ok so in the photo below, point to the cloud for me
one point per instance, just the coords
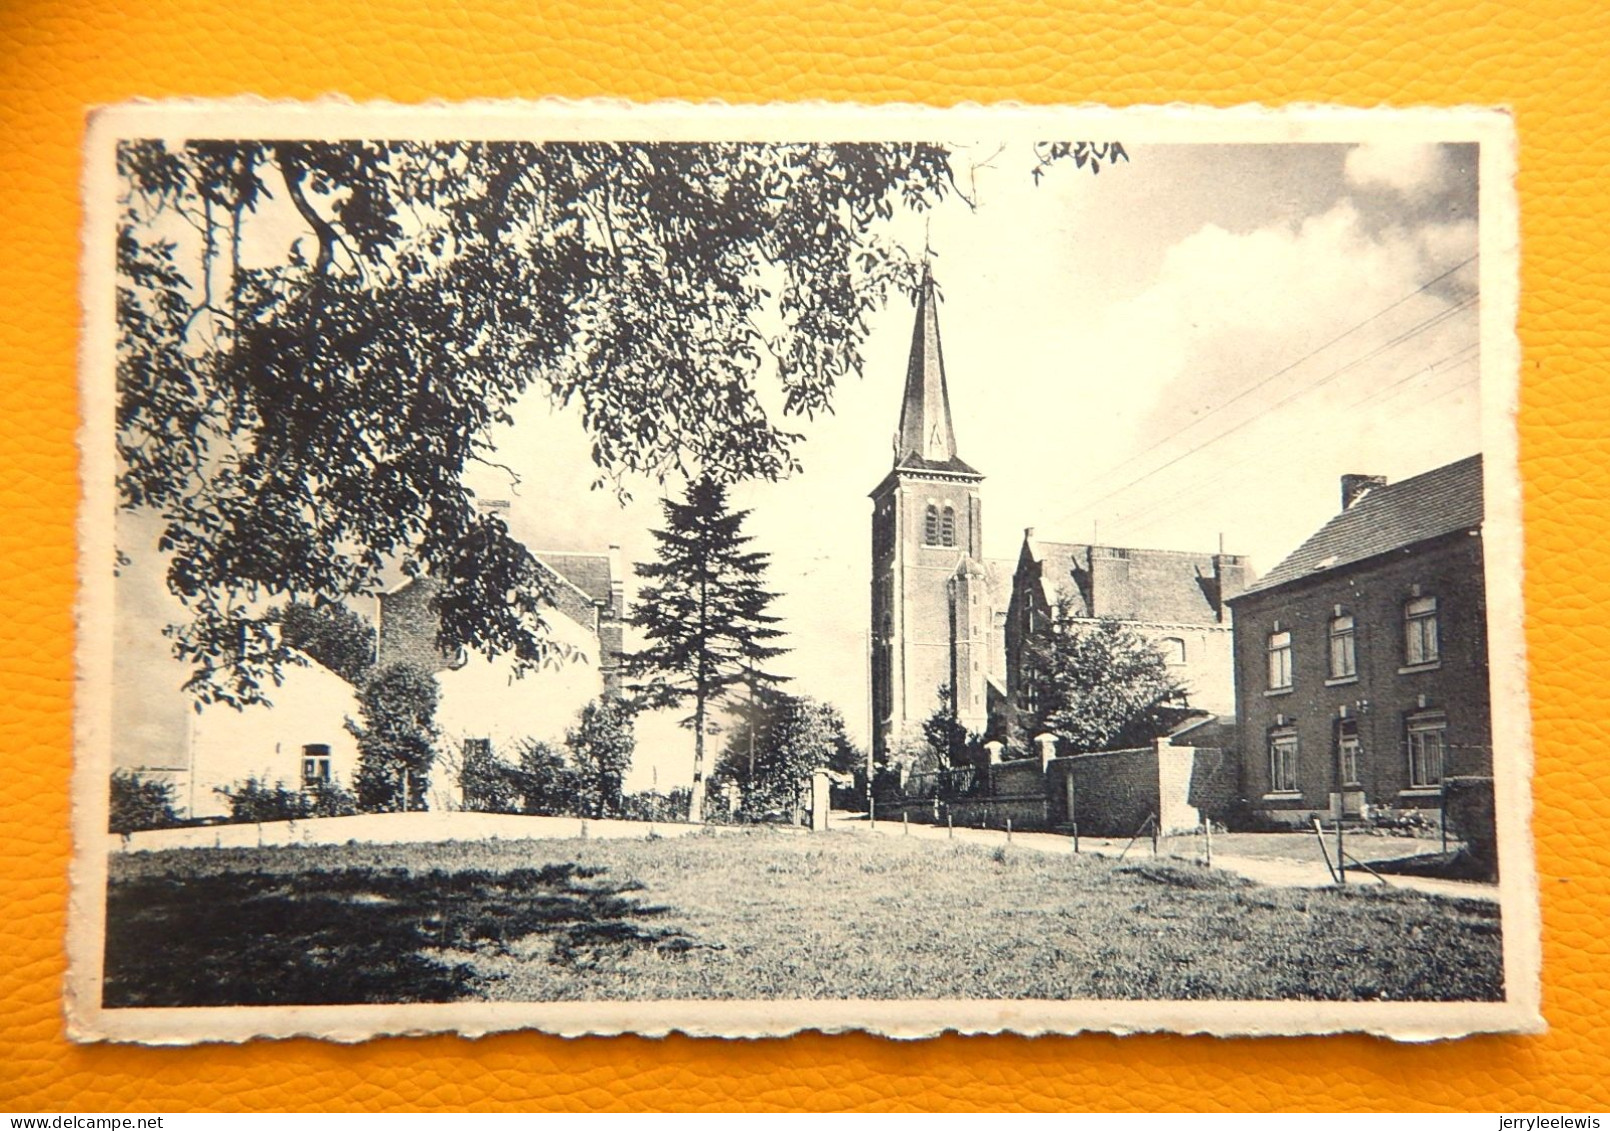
(1310, 348)
(1409, 169)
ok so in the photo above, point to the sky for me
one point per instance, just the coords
(1192, 346)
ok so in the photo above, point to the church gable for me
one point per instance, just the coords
(1147, 586)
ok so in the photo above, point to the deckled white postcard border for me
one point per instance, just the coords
(556, 120)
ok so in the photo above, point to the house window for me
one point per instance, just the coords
(1343, 657)
(1283, 760)
(1347, 752)
(315, 765)
(1426, 744)
(947, 526)
(1279, 660)
(1173, 649)
(1029, 693)
(930, 525)
(1421, 645)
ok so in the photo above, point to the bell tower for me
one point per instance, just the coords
(927, 543)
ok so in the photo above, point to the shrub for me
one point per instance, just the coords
(396, 738)
(549, 786)
(601, 746)
(140, 803)
(331, 800)
(255, 800)
(489, 784)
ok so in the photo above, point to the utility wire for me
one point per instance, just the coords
(1150, 516)
(1355, 328)
(1392, 343)
(1447, 362)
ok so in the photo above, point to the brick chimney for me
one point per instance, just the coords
(617, 581)
(1355, 487)
(1229, 580)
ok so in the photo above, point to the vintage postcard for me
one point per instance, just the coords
(737, 570)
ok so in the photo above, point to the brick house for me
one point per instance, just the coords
(1361, 659)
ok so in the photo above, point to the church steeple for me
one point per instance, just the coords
(931, 620)
(926, 437)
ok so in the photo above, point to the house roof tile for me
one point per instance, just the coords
(1159, 586)
(1442, 501)
(588, 572)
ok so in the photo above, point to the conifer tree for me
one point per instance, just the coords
(703, 615)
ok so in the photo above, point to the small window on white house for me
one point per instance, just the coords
(1427, 742)
(1343, 655)
(1173, 649)
(315, 764)
(1421, 644)
(1283, 760)
(1279, 660)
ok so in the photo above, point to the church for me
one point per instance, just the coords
(947, 619)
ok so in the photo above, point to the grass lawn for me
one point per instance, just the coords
(761, 915)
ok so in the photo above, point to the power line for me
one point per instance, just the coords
(1452, 360)
(1421, 289)
(1392, 343)
(1149, 517)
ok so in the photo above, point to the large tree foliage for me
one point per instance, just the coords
(396, 738)
(330, 633)
(702, 612)
(1097, 685)
(315, 338)
(790, 736)
(301, 411)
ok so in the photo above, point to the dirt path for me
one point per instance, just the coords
(1276, 872)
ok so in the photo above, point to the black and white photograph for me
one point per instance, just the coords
(738, 570)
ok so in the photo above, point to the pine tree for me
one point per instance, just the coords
(703, 614)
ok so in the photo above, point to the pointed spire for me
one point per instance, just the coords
(925, 429)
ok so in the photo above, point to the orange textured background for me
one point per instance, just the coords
(1547, 60)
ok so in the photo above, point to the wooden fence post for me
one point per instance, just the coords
(1319, 835)
(1341, 868)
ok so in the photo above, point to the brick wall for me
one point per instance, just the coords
(1113, 792)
